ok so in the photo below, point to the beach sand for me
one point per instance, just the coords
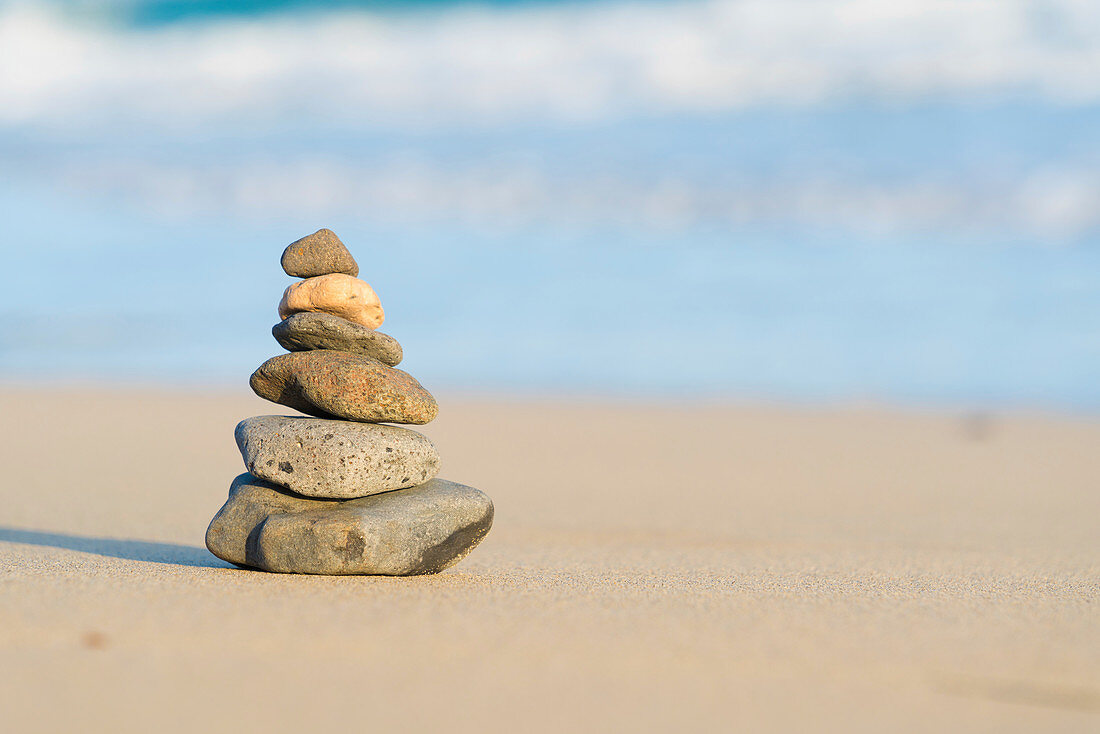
(651, 568)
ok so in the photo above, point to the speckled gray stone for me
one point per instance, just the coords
(334, 459)
(320, 253)
(314, 330)
(420, 530)
(329, 384)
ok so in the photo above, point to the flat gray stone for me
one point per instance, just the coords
(308, 330)
(420, 530)
(320, 253)
(334, 459)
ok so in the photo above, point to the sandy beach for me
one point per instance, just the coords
(651, 568)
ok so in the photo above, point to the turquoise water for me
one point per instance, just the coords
(175, 11)
(930, 247)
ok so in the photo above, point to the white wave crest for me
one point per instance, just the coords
(571, 62)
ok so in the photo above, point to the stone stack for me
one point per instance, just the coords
(339, 493)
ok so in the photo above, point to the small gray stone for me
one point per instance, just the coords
(420, 530)
(334, 459)
(320, 253)
(314, 330)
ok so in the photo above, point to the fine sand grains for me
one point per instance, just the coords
(715, 568)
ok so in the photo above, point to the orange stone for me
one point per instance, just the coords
(337, 294)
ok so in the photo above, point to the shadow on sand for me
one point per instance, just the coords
(131, 550)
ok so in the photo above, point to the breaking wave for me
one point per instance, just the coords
(477, 65)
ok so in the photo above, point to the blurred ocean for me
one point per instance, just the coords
(780, 199)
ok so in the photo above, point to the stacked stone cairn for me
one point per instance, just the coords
(339, 492)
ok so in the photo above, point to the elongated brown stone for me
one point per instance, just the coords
(328, 384)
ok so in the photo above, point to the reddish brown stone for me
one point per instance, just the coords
(332, 384)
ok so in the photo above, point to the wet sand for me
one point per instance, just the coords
(651, 568)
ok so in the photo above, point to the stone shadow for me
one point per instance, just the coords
(131, 550)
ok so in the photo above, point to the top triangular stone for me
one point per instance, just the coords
(320, 253)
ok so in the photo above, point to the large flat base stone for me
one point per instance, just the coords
(420, 530)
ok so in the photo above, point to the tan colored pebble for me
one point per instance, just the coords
(338, 294)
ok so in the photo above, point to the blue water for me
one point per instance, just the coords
(157, 12)
(931, 250)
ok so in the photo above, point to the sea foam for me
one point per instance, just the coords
(486, 66)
